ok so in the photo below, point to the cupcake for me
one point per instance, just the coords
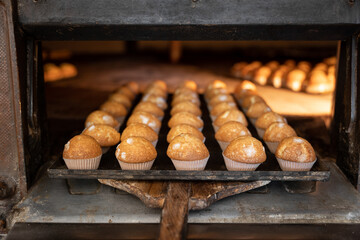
(126, 91)
(145, 118)
(105, 135)
(242, 87)
(275, 133)
(185, 91)
(156, 91)
(187, 152)
(219, 99)
(159, 84)
(262, 75)
(244, 154)
(133, 86)
(185, 107)
(243, 94)
(295, 79)
(140, 130)
(295, 154)
(220, 108)
(186, 118)
(82, 152)
(215, 84)
(229, 131)
(185, 98)
(150, 108)
(156, 99)
(121, 98)
(214, 92)
(265, 120)
(230, 115)
(249, 100)
(117, 110)
(256, 110)
(101, 117)
(135, 153)
(189, 84)
(184, 128)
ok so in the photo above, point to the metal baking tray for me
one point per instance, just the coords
(163, 168)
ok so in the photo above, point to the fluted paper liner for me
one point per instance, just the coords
(232, 165)
(197, 165)
(120, 119)
(272, 146)
(104, 149)
(136, 166)
(260, 132)
(295, 166)
(253, 120)
(83, 164)
(223, 145)
(154, 143)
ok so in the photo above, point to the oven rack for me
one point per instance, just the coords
(215, 170)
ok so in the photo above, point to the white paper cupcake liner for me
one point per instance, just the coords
(117, 127)
(253, 120)
(155, 142)
(260, 132)
(83, 164)
(120, 119)
(295, 166)
(223, 145)
(216, 128)
(104, 149)
(197, 165)
(213, 118)
(232, 165)
(272, 146)
(136, 166)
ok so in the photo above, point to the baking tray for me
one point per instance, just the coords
(163, 168)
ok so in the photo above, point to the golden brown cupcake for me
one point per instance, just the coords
(244, 154)
(220, 108)
(219, 99)
(117, 110)
(158, 100)
(189, 84)
(135, 153)
(187, 152)
(215, 84)
(82, 152)
(186, 118)
(319, 83)
(249, 70)
(126, 91)
(275, 133)
(295, 154)
(184, 91)
(295, 79)
(265, 120)
(242, 87)
(256, 110)
(145, 118)
(249, 100)
(183, 98)
(150, 108)
(140, 130)
(159, 84)
(236, 69)
(262, 75)
(101, 117)
(185, 107)
(121, 98)
(304, 66)
(278, 77)
(133, 86)
(184, 128)
(105, 135)
(214, 92)
(230, 115)
(229, 131)
(156, 91)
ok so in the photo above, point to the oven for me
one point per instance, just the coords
(173, 41)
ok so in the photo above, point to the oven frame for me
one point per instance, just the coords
(25, 24)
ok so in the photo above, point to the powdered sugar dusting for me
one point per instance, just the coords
(91, 128)
(144, 119)
(106, 118)
(129, 140)
(298, 140)
(281, 125)
(176, 146)
(67, 146)
(250, 151)
(123, 155)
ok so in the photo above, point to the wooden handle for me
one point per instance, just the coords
(175, 211)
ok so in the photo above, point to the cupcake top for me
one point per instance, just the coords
(144, 118)
(183, 98)
(220, 98)
(135, 150)
(231, 115)
(231, 130)
(133, 86)
(101, 117)
(126, 91)
(295, 149)
(156, 99)
(186, 106)
(159, 84)
(265, 120)
(246, 149)
(222, 107)
(187, 147)
(276, 132)
(114, 108)
(105, 135)
(121, 98)
(184, 128)
(156, 91)
(245, 93)
(139, 130)
(184, 91)
(244, 85)
(251, 99)
(185, 118)
(216, 84)
(189, 84)
(150, 108)
(257, 109)
(81, 147)
(215, 91)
